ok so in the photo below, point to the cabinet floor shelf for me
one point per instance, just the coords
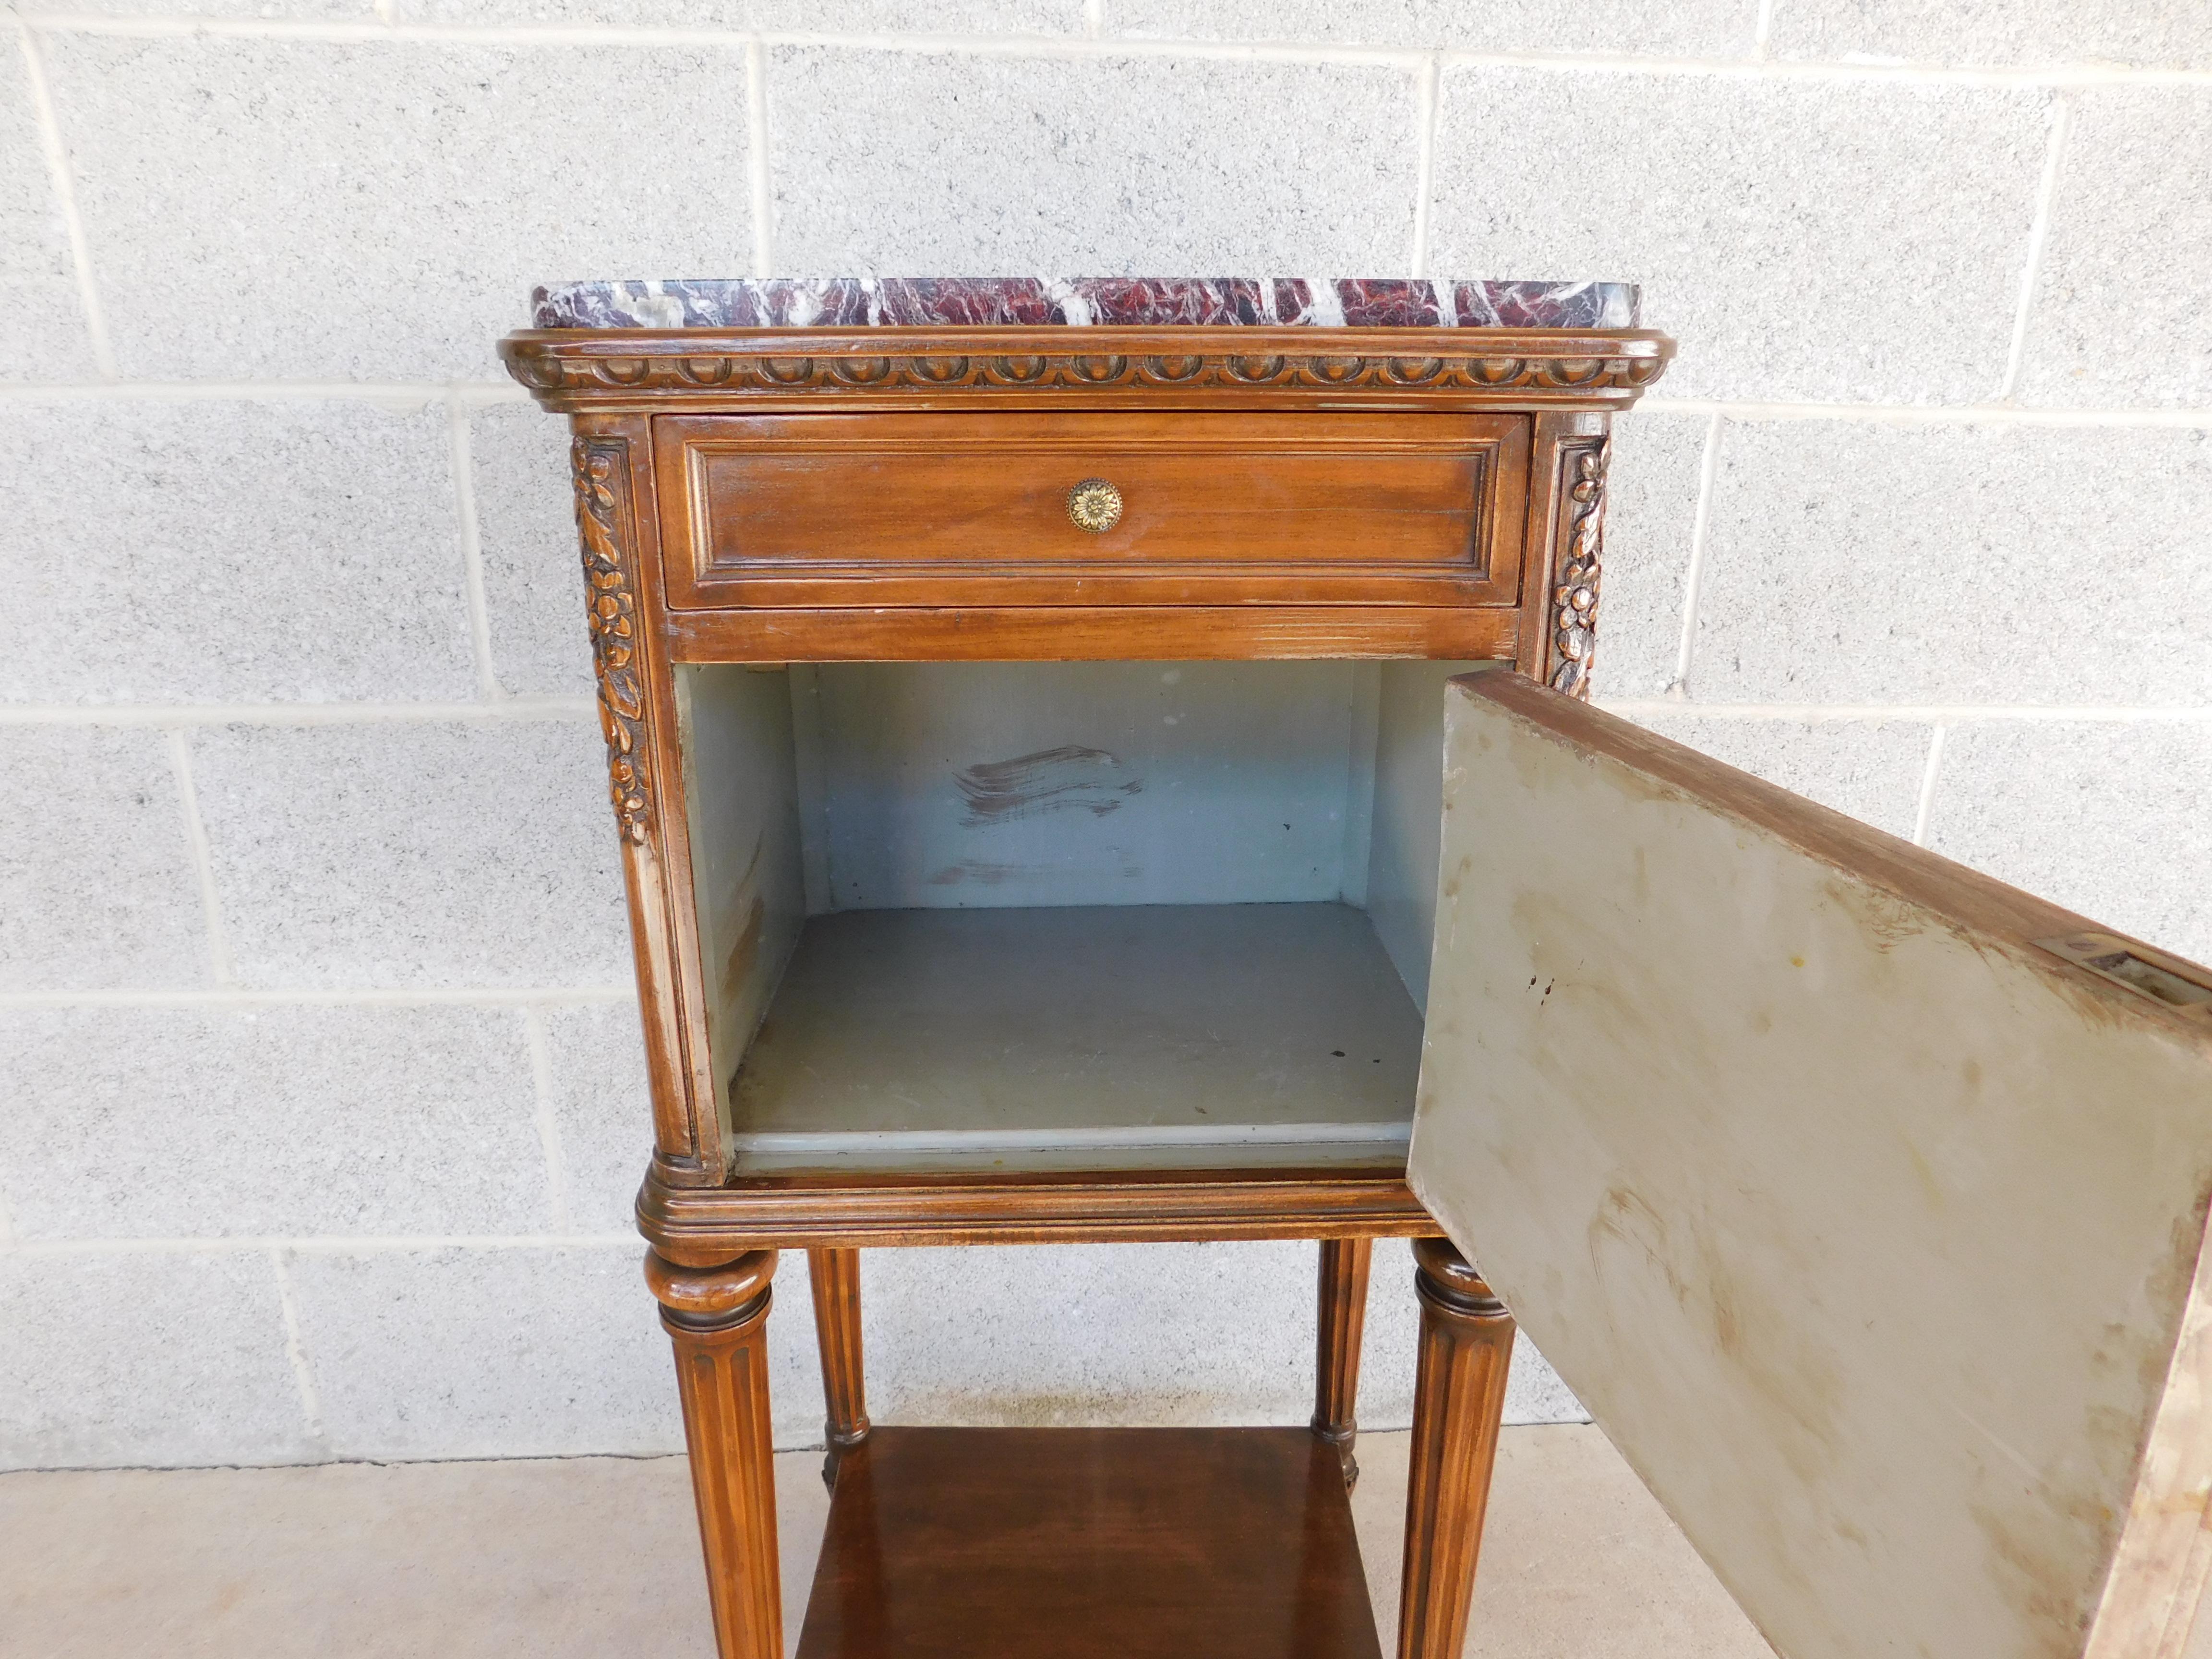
(1090, 1543)
(1123, 1036)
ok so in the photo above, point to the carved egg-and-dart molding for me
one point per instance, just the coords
(566, 371)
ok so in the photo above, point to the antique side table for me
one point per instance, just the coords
(1024, 704)
(1107, 760)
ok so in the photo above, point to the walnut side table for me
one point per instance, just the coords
(1024, 711)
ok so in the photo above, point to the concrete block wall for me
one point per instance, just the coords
(319, 1102)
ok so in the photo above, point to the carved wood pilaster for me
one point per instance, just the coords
(606, 465)
(1575, 584)
(603, 517)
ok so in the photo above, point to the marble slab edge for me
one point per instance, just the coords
(1084, 302)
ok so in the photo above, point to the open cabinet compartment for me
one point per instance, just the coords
(1064, 915)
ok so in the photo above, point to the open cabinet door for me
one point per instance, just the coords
(1860, 1198)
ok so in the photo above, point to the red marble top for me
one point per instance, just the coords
(1084, 302)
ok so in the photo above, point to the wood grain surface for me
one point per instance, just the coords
(1340, 1317)
(1214, 508)
(1090, 1543)
(1085, 633)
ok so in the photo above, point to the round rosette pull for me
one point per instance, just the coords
(1094, 505)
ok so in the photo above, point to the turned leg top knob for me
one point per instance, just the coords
(710, 1294)
(1453, 1275)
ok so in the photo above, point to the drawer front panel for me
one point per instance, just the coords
(1203, 508)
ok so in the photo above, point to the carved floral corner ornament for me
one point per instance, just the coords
(611, 602)
(1574, 597)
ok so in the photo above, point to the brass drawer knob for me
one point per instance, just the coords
(1095, 504)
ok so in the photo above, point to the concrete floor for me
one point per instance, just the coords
(566, 1558)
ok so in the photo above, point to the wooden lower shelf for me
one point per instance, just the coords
(1090, 1543)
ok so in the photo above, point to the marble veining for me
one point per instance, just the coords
(1084, 301)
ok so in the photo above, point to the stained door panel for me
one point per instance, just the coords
(1860, 1198)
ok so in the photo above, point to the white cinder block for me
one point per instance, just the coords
(1805, 240)
(1092, 1333)
(47, 339)
(935, 163)
(97, 889)
(157, 1357)
(336, 11)
(1136, 1334)
(794, 1360)
(826, 16)
(487, 1352)
(1864, 563)
(601, 1109)
(526, 527)
(520, 1352)
(1868, 770)
(1696, 29)
(532, 1352)
(213, 551)
(408, 853)
(1650, 521)
(378, 209)
(2126, 281)
(269, 207)
(2159, 34)
(2113, 820)
(175, 1122)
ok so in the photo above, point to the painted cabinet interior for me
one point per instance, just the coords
(1037, 916)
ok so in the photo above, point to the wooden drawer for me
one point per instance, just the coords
(1215, 508)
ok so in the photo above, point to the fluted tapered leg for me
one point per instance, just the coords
(1343, 1309)
(836, 1275)
(1459, 1402)
(718, 1319)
